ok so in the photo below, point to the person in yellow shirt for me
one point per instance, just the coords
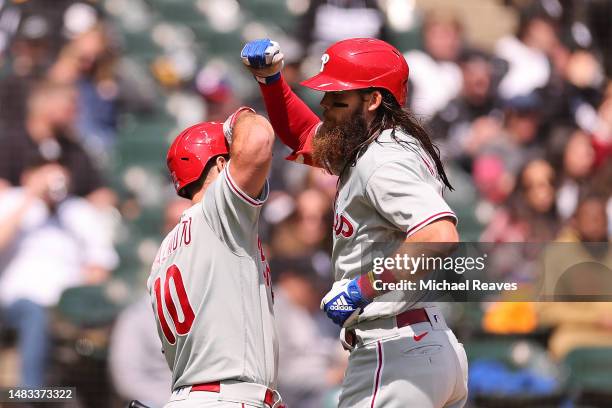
(581, 260)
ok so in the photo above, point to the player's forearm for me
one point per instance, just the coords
(437, 240)
(253, 139)
(251, 152)
(291, 119)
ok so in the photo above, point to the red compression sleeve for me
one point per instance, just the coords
(366, 283)
(291, 119)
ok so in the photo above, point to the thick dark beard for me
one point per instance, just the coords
(335, 145)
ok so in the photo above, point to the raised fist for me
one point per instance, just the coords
(264, 59)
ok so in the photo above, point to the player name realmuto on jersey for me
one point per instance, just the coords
(180, 236)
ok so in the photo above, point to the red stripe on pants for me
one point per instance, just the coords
(379, 353)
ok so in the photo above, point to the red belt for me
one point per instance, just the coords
(403, 319)
(215, 386)
(412, 316)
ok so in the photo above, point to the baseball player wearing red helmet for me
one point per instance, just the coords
(210, 272)
(390, 189)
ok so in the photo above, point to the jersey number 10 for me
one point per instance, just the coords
(182, 327)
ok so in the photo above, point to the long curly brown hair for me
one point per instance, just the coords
(390, 115)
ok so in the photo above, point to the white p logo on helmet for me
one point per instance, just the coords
(324, 60)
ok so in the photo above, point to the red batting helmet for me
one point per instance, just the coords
(191, 151)
(360, 63)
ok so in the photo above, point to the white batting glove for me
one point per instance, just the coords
(228, 125)
(264, 59)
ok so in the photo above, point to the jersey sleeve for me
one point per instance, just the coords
(403, 196)
(294, 123)
(231, 213)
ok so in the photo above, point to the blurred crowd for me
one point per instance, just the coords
(91, 93)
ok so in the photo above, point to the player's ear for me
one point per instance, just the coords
(374, 101)
(220, 163)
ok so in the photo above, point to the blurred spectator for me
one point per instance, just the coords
(576, 324)
(217, 90)
(31, 48)
(517, 140)
(581, 324)
(601, 185)
(475, 114)
(311, 363)
(328, 21)
(306, 230)
(323, 181)
(435, 78)
(47, 132)
(574, 89)
(105, 83)
(527, 53)
(31, 54)
(583, 267)
(577, 166)
(172, 213)
(87, 61)
(493, 181)
(16, 13)
(497, 155)
(137, 365)
(530, 215)
(589, 222)
(598, 22)
(602, 130)
(49, 241)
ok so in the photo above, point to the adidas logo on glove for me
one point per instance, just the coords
(340, 304)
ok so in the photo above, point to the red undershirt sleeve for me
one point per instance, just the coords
(291, 119)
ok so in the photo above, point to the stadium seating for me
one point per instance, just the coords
(591, 367)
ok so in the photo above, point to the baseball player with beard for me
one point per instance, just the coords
(210, 282)
(390, 189)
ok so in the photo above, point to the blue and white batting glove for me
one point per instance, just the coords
(264, 59)
(344, 302)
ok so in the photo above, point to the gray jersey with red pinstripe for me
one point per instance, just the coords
(211, 294)
(391, 192)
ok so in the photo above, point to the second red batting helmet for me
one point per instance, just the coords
(360, 63)
(191, 151)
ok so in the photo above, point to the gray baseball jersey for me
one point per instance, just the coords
(211, 292)
(392, 192)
